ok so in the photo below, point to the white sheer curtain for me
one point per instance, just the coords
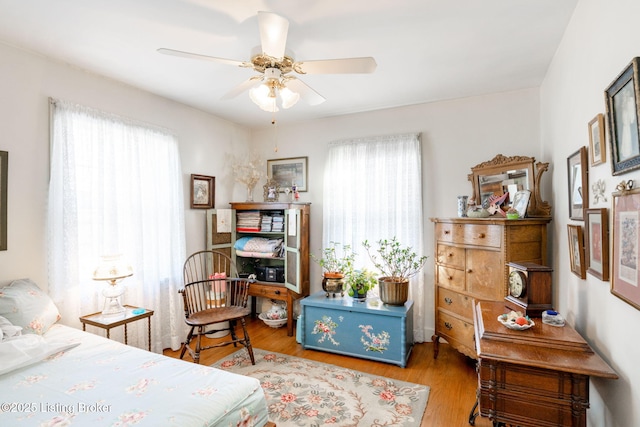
(116, 187)
(373, 191)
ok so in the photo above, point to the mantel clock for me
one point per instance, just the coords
(529, 288)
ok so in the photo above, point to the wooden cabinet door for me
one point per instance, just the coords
(292, 240)
(220, 240)
(485, 274)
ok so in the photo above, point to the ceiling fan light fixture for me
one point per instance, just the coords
(260, 96)
(289, 97)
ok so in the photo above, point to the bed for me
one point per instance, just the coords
(55, 375)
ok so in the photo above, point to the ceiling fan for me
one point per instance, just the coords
(274, 66)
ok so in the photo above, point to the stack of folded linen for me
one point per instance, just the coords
(259, 247)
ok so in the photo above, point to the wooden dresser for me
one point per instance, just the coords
(470, 262)
(533, 378)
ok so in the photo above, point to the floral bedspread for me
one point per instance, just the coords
(105, 383)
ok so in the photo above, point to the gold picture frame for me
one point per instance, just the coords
(576, 250)
(597, 147)
(625, 271)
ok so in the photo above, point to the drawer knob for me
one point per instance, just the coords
(469, 271)
(277, 292)
(448, 325)
(481, 235)
(448, 301)
(450, 254)
(447, 232)
(449, 277)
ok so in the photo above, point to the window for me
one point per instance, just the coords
(373, 191)
(116, 187)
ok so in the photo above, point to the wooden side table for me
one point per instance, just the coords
(533, 378)
(108, 322)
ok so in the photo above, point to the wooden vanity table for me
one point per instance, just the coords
(538, 377)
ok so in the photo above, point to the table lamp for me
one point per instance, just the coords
(112, 268)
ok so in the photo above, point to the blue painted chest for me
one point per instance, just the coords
(369, 329)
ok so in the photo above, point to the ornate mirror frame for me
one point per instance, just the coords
(528, 171)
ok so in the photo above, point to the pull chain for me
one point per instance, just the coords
(275, 132)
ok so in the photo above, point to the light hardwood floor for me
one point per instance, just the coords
(451, 377)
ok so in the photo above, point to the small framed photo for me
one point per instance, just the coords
(623, 119)
(202, 191)
(625, 272)
(596, 242)
(521, 202)
(578, 184)
(576, 250)
(271, 191)
(597, 148)
(289, 172)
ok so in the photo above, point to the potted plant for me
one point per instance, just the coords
(397, 264)
(359, 282)
(336, 262)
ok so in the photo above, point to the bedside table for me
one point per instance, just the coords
(108, 322)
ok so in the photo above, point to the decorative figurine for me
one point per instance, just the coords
(495, 202)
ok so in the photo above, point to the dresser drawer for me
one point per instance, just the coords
(444, 232)
(479, 235)
(277, 292)
(450, 255)
(455, 302)
(451, 327)
(489, 235)
(451, 278)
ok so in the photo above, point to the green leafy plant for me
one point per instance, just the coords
(336, 258)
(395, 261)
(360, 282)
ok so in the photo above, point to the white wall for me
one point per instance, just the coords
(26, 83)
(600, 41)
(456, 135)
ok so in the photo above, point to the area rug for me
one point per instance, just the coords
(303, 392)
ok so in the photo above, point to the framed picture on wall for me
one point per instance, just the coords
(623, 119)
(625, 271)
(576, 250)
(578, 184)
(289, 172)
(202, 191)
(597, 148)
(596, 242)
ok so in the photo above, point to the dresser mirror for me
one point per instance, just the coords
(505, 174)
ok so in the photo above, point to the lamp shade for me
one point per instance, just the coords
(112, 267)
(261, 96)
(289, 98)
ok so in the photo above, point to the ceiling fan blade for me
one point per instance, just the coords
(336, 66)
(273, 33)
(310, 96)
(205, 57)
(245, 85)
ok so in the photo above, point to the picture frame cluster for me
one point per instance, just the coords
(590, 250)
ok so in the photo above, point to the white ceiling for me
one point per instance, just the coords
(426, 50)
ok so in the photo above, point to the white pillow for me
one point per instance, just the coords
(7, 330)
(25, 350)
(24, 304)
